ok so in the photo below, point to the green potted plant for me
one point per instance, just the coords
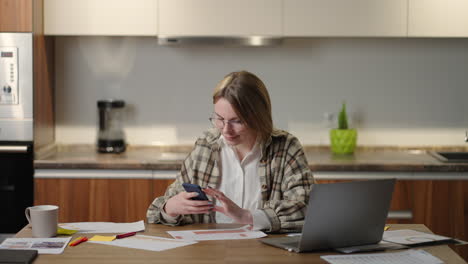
(343, 139)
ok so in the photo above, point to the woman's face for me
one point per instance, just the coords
(235, 132)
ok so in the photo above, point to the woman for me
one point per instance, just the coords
(255, 174)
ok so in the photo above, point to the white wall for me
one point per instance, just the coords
(407, 92)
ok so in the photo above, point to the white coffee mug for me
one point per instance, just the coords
(43, 219)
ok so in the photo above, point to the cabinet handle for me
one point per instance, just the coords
(15, 149)
(400, 214)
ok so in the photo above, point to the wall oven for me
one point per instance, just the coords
(16, 184)
(16, 129)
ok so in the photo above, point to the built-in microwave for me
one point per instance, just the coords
(16, 129)
(16, 87)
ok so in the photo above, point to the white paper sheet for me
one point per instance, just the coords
(403, 257)
(152, 243)
(217, 234)
(104, 227)
(54, 245)
(411, 237)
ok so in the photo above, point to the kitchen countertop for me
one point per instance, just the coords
(373, 159)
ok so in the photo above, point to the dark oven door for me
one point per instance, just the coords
(16, 184)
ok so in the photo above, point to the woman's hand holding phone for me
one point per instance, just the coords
(194, 201)
(229, 208)
(183, 203)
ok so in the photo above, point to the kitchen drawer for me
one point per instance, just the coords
(100, 195)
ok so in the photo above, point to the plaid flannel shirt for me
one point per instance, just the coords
(284, 175)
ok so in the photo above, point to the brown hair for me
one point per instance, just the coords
(250, 99)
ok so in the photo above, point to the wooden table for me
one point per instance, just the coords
(220, 251)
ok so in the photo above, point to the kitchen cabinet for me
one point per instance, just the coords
(115, 200)
(103, 17)
(441, 204)
(16, 16)
(289, 18)
(342, 18)
(100, 195)
(220, 17)
(434, 18)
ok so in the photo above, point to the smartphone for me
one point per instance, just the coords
(195, 188)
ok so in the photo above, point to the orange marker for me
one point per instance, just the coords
(78, 241)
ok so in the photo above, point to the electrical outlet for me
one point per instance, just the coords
(328, 120)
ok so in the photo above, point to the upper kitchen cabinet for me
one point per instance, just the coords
(220, 17)
(436, 18)
(102, 17)
(344, 18)
(16, 16)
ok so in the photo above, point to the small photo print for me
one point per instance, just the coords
(48, 245)
(54, 245)
(17, 245)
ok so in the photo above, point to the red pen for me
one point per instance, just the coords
(125, 235)
(78, 241)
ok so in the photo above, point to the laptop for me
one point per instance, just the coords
(341, 215)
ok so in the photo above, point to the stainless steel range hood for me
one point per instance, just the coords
(210, 40)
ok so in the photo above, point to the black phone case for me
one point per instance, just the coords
(195, 188)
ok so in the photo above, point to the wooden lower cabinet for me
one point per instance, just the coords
(160, 186)
(113, 200)
(440, 205)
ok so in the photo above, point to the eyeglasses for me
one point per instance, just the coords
(219, 123)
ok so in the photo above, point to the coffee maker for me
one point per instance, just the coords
(111, 137)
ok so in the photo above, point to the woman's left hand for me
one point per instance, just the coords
(229, 208)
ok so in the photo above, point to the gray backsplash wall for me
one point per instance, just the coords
(407, 92)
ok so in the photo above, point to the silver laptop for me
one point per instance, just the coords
(342, 215)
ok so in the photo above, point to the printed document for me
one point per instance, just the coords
(104, 227)
(217, 234)
(152, 243)
(403, 257)
(54, 245)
